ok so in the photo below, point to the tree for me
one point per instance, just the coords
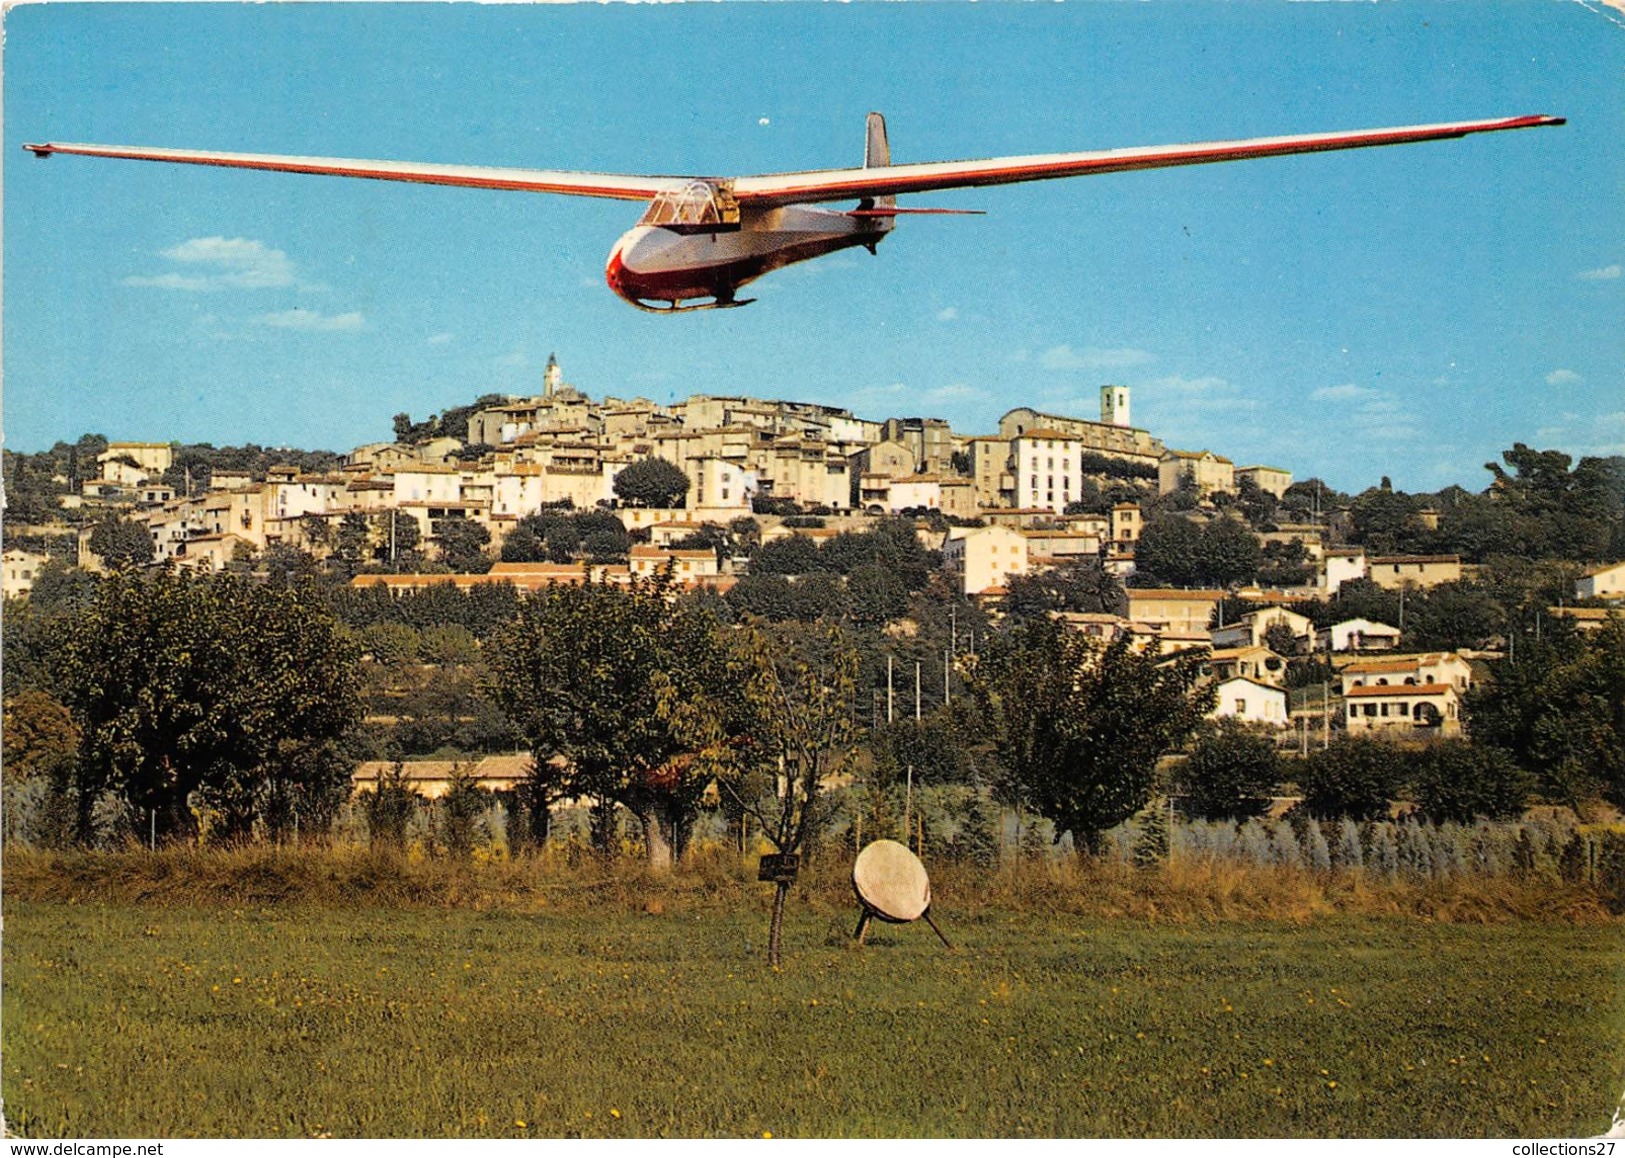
(39, 734)
(185, 684)
(791, 555)
(1077, 585)
(1455, 780)
(1278, 638)
(121, 543)
(621, 684)
(285, 564)
(1231, 772)
(1079, 728)
(803, 684)
(1285, 564)
(1230, 553)
(652, 482)
(1387, 521)
(1360, 599)
(820, 595)
(933, 748)
(1175, 551)
(1557, 706)
(875, 595)
(1357, 777)
(1453, 615)
(462, 545)
(399, 536)
(765, 596)
(389, 809)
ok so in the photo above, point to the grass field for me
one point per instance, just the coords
(565, 1019)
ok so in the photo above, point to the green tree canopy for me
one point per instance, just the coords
(1231, 773)
(217, 686)
(623, 685)
(652, 482)
(39, 734)
(1557, 706)
(1077, 585)
(462, 545)
(121, 543)
(1356, 776)
(1462, 781)
(1080, 728)
(1175, 551)
(801, 687)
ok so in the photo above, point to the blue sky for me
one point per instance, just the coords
(1406, 311)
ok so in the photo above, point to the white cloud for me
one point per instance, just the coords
(221, 263)
(313, 322)
(1586, 434)
(1562, 378)
(948, 315)
(1345, 392)
(1606, 273)
(947, 393)
(1384, 418)
(174, 281)
(438, 339)
(1092, 358)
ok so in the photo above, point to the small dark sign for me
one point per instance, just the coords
(779, 867)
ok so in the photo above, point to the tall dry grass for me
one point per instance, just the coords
(716, 878)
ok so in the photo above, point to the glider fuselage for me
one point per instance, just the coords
(655, 263)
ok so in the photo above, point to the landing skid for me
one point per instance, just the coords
(675, 308)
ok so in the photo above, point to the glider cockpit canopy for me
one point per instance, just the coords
(698, 207)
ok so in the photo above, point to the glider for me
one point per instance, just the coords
(702, 238)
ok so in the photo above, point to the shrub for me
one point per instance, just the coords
(1354, 777)
(1460, 781)
(1231, 771)
(1415, 849)
(1346, 851)
(1381, 850)
(390, 809)
(1315, 850)
(461, 810)
(1151, 846)
(977, 839)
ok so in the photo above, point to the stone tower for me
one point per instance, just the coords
(1114, 405)
(553, 377)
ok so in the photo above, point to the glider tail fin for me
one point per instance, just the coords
(876, 152)
(876, 155)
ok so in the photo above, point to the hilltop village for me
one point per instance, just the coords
(717, 491)
(562, 449)
(1040, 479)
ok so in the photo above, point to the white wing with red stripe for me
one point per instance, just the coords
(840, 184)
(619, 186)
(817, 185)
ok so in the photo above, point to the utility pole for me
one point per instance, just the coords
(888, 690)
(916, 691)
(908, 805)
(1326, 696)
